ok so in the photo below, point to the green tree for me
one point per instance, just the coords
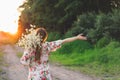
(59, 15)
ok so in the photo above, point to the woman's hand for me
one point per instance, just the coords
(81, 37)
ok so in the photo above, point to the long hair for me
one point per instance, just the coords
(43, 35)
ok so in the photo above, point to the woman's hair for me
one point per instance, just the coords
(43, 35)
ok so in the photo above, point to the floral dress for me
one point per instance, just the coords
(39, 70)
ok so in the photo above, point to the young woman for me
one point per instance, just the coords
(37, 59)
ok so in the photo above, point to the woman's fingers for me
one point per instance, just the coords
(82, 37)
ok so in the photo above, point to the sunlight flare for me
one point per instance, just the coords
(9, 15)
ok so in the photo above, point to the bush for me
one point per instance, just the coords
(106, 25)
(113, 44)
(76, 46)
(103, 42)
(102, 25)
(82, 25)
(85, 21)
(115, 27)
(74, 31)
(54, 36)
(96, 26)
(109, 53)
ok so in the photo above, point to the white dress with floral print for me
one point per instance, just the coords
(39, 70)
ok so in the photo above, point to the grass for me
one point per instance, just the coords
(2, 64)
(100, 62)
(1, 61)
(19, 54)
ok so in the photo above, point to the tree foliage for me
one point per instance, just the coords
(97, 26)
(59, 15)
(95, 18)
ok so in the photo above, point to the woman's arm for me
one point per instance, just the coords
(78, 37)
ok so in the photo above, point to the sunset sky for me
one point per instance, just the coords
(9, 15)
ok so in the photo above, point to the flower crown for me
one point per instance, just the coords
(30, 39)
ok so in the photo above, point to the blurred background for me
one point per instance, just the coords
(99, 20)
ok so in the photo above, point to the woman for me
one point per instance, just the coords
(37, 59)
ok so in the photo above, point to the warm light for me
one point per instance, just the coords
(9, 15)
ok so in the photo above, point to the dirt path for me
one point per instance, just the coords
(16, 71)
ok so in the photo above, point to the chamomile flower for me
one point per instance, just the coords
(30, 39)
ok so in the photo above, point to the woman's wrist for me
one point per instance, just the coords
(80, 37)
(76, 37)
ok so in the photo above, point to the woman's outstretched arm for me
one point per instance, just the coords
(71, 39)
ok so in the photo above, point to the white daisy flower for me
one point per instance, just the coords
(30, 39)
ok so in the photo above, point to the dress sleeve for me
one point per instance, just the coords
(54, 45)
(25, 59)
